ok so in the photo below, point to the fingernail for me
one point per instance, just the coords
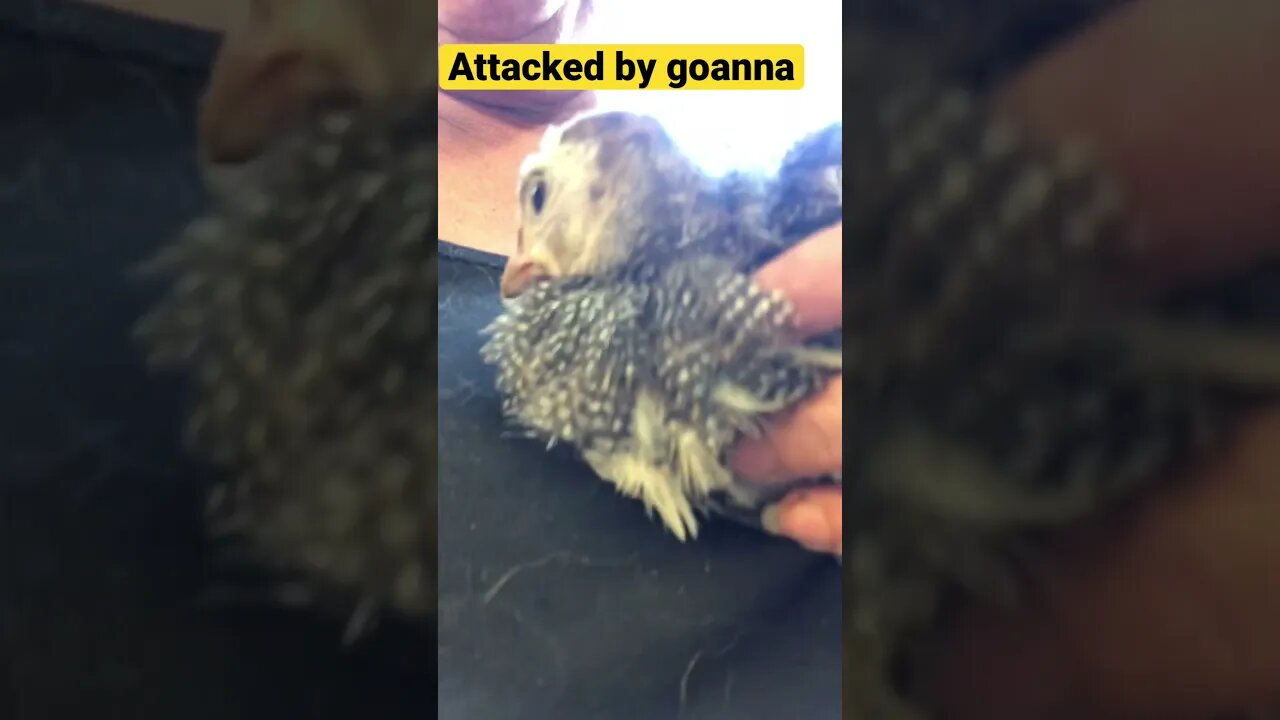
(769, 520)
(799, 520)
(806, 523)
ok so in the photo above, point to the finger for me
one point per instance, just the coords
(1175, 617)
(810, 275)
(803, 442)
(812, 517)
(1181, 101)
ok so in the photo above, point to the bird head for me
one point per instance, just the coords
(590, 194)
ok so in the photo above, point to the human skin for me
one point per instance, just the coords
(806, 441)
(1170, 612)
(485, 135)
(282, 58)
(513, 21)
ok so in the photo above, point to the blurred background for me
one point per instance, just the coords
(760, 126)
(104, 566)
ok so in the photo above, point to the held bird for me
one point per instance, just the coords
(1001, 382)
(632, 330)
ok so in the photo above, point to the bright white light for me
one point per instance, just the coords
(728, 129)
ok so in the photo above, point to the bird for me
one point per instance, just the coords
(1001, 383)
(631, 328)
(299, 309)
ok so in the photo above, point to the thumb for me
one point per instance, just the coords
(813, 517)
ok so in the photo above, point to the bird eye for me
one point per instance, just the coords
(538, 197)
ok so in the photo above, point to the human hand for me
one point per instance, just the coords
(806, 441)
(1171, 612)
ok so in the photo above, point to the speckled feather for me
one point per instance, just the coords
(999, 382)
(654, 367)
(997, 385)
(302, 310)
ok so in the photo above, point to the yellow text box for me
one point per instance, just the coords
(621, 67)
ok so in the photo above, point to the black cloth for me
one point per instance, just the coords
(560, 599)
(102, 553)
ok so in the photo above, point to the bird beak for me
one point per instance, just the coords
(521, 272)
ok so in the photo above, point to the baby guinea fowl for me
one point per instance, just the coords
(1001, 383)
(302, 308)
(632, 330)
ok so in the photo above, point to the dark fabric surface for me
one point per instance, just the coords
(106, 29)
(560, 599)
(102, 557)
